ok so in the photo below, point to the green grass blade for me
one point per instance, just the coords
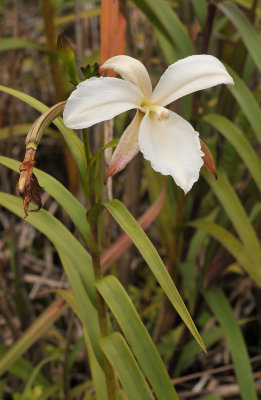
(39, 327)
(69, 203)
(22, 130)
(201, 11)
(235, 211)
(63, 240)
(192, 349)
(22, 369)
(126, 367)
(49, 392)
(248, 4)
(81, 309)
(245, 29)
(224, 314)
(233, 245)
(137, 336)
(30, 381)
(233, 134)
(14, 43)
(166, 20)
(131, 227)
(74, 143)
(86, 310)
(247, 102)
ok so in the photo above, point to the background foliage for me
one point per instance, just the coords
(208, 241)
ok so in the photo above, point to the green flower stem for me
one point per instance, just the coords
(86, 142)
(93, 219)
(101, 306)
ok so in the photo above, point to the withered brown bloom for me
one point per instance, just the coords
(28, 185)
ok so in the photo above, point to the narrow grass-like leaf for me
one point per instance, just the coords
(74, 143)
(22, 369)
(224, 314)
(237, 214)
(166, 20)
(49, 392)
(126, 367)
(137, 336)
(248, 4)
(86, 310)
(201, 10)
(247, 102)
(22, 129)
(39, 327)
(191, 349)
(233, 134)
(65, 243)
(245, 29)
(14, 43)
(152, 258)
(96, 369)
(233, 245)
(30, 381)
(70, 204)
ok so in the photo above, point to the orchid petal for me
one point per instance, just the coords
(127, 148)
(173, 148)
(187, 76)
(131, 70)
(100, 99)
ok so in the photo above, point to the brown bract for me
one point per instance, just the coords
(28, 185)
(208, 159)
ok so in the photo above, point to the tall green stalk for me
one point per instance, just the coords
(93, 220)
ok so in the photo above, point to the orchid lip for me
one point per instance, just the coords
(161, 112)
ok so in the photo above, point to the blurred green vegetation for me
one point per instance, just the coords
(209, 240)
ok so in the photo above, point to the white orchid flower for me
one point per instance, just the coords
(167, 140)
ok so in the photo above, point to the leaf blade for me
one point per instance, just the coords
(137, 336)
(233, 134)
(126, 367)
(223, 312)
(245, 29)
(152, 258)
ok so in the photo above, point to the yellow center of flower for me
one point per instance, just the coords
(161, 112)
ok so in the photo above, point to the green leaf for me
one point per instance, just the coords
(166, 20)
(248, 4)
(152, 258)
(126, 367)
(233, 245)
(233, 134)
(85, 308)
(224, 314)
(22, 129)
(201, 10)
(111, 143)
(69, 203)
(74, 143)
(35, 372)
(81, 307)
(65, 243)
(40, 326)
(247, 102)
(49, 392)
(137, 336)
(22, 368)
(14, 43)
(245, 29)
(191, 349)
(236, 212)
